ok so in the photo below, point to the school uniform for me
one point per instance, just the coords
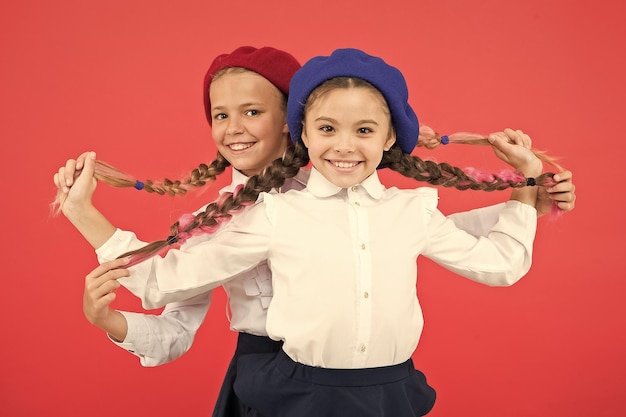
(158, 339)
(343, 265)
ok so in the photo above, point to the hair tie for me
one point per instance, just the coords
(172, 239)
(445, 140)
(530, 182)
(139, 185)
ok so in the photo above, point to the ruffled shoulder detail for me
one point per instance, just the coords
(428, 198)
(269, 201)
(431, 199)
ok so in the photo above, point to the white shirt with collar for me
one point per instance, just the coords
(343, 265)
(158, 339)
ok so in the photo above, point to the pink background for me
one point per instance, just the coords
(124, 78)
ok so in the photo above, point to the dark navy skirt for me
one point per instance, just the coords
(228, 405)
(273, 385)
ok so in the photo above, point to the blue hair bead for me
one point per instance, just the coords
(139, 185)
(172, 239)
(445, 140)
(531, 182)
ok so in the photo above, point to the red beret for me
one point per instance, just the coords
(275, 65)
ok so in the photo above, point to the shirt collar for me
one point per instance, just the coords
(319, 186)
(238, 178)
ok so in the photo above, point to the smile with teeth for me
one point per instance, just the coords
(345, 164)
(240, 146)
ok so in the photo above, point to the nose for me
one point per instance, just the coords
(235, 126)
(344, 143)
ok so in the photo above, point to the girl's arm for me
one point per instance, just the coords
(237, 247)
(155, 339)
(513, 147)
(505, 254)
(500, 258)
(479, 222)
(159, 339)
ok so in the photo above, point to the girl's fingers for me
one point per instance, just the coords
(112, 267)
(66, 174)
(101, 282)
(80, 161)
(105, 300)
(566, 205)
(562, 187)
(112, 275)
(564, 183)
(88, 163)
(563, 176)
(518, 137)
(512, 136)
(57, 182)
(70, 169)
(525, 140)
(61, 181)
(96, 292)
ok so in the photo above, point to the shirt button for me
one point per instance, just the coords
(356, 203)
(366, 294)
(362, 348)
(353, 188)
(363, 246)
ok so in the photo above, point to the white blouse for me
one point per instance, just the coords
(343, 265)
(158, 339)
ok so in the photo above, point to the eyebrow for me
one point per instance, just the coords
(250, 104)
(359, 122)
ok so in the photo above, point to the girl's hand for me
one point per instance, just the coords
(513, 147)
(76, 183)
(100, 286)
(563, 194)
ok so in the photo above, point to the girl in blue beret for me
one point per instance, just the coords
(343, 251)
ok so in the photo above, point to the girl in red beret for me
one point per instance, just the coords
(245, 98)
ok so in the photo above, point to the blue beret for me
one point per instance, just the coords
(355, 63)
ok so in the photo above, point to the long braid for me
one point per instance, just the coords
(202, 175)
(229, 204)
(430, 139)
(446, 175)
(199, 177)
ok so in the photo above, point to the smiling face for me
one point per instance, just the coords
(346, 131)
(249, 120)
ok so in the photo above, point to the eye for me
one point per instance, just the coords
(327, 129)
(364, 131)
(252, 112)
(220, 116)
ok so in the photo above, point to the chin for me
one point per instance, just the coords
(346, 183)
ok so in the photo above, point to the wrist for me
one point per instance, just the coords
(75, 211)
(115, 326)
(531, 170)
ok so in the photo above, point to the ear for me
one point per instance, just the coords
(390, 141)
(305, 139)
(285, 128)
